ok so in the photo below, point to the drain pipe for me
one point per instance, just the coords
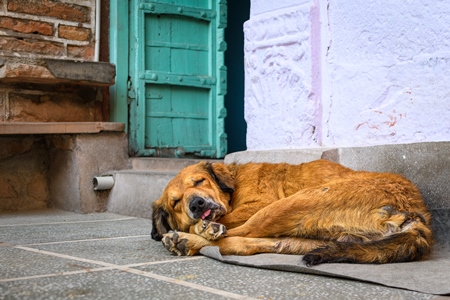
(104, 182)
(97, 30)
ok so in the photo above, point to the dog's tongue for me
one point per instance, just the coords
(206, 214)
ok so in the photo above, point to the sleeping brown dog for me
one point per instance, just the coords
(320, 209)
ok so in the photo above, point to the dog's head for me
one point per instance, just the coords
(201, 191)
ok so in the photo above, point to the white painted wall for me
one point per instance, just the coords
(346, 73)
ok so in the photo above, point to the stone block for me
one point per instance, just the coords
(72, 170)
(51, 71)
(13, 146)
(23, 174)
(94, 73)
(32, 106)
(7, 189)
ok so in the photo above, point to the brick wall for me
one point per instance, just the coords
(31, 30)
(48, 28)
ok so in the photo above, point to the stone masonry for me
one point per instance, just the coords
(48, 75)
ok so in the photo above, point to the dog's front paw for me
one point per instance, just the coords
(174, 244)
(210, 230)
(181, 243)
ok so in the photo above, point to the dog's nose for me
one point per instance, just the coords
(197, 204)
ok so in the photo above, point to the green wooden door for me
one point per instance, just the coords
(177, 78)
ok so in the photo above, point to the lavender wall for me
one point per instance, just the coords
(346, 73)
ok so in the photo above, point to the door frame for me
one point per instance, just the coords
(119, 51)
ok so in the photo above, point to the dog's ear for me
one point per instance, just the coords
(160, 224)
(224, 178)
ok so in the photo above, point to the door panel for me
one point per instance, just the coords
(178, 78)
(177, 114)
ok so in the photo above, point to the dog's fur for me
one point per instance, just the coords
(320, 209)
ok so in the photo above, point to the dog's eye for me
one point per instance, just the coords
(175, 202)
(198, 182)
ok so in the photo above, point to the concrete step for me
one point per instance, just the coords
(161, 164)
(135, 190)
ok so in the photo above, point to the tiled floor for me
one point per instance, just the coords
(53, 254)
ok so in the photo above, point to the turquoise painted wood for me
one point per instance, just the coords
(118, 45)
(178, 78)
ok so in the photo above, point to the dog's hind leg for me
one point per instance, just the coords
(249, 246)
(364, 224)
(412, 243)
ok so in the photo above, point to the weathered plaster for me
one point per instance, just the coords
(278, 79)
(346, 73)
(389, 68)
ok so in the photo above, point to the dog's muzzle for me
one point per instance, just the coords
(201, 208)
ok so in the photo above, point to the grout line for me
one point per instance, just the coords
(87, 240)
(86, 260)
(127, 269)
(190, 285)
(69, 222)
(57, 274)
(164, 261)
(89, 270)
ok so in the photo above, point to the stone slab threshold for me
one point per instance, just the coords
(59, 127)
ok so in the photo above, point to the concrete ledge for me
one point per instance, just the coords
(275, 156)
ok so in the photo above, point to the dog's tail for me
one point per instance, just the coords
(412, 243)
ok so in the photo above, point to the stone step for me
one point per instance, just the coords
(136, 189)
(161, 164)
